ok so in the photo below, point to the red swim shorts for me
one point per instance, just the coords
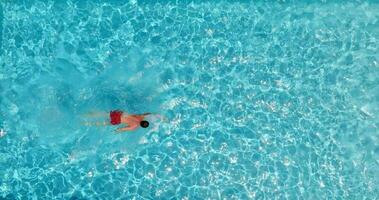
(115, 117)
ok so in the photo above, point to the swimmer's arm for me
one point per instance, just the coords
(158, 115)
(126, 128)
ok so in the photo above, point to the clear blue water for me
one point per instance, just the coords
(266, 100)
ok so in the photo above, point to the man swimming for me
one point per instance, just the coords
(132, 122)
(117, 117)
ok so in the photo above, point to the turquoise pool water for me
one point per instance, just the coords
(267, 100)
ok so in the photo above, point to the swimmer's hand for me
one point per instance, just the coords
(163, 118)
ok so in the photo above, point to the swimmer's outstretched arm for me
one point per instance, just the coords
(158, 115)
(126, 128)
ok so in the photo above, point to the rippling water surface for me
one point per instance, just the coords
(265, 100)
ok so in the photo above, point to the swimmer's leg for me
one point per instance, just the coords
(96, 114)
(96, 123)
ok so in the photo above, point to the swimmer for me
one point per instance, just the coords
(117, 117)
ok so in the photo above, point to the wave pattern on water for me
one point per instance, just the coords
(266, 100)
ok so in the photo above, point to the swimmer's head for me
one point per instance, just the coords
(144, 124)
